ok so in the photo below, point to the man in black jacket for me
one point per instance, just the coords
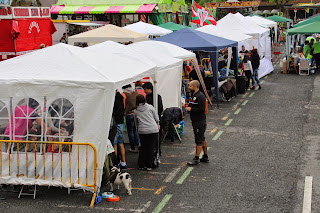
(148, 89)
(118, 113)
(197, 108)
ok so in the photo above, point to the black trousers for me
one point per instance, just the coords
(147, 150)
(248, 74)
(317, 59)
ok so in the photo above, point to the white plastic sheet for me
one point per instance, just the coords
(265, 67)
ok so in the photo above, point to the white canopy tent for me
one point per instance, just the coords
(266, 23)
(88, 80)
(239, 23)
(106, 33)
(168, 77)
(148, 29)
(240, 37)
(167, 49)
(264, 33)
(261, 38)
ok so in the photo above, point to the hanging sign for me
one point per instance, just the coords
(31, 12)
(5, 13)
(213, 5)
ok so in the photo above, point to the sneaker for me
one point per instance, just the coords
(125, 168)
(259, 86)
(134, 151)
(149, 169)
(204, 160)
(253, 88)
(194, 162)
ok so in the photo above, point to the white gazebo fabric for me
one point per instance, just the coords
(106, 33)
(266, 23)
(168, 49)
(148, 29)
(237, 22)
(240, 37)
(169, 68)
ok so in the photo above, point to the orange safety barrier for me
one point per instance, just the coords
(36, 145)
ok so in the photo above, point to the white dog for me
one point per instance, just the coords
(117, 178)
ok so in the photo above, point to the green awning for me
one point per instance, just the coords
(99, 9)
(308, 21)
(172, 26)
(106, 2)
(277, 18)
(305, 29)
(102, 9)
(130, 8)
(68, 10)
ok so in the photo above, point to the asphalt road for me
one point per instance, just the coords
(262, 146)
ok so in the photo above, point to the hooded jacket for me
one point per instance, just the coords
(146, 119)
(129, 100)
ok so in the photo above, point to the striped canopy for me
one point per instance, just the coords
(61, 9)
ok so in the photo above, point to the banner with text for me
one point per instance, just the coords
(24, 12)
(214, 5)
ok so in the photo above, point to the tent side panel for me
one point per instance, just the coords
(169, 86)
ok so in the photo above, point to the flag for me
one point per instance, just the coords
(201, 15)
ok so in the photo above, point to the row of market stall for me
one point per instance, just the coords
(299, 33)
(252, 32)
(88, 78)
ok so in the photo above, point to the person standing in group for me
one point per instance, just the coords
(196, 108)
(63, 39)
(139, 89)
(255, 62)
(118, 112)
(147, 122)
(316, 52)
(129, 100)
(148, 89)
(247, 68)
(306, 49)
(243, 50)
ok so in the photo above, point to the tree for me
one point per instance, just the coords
(280, 3)
(201, 2)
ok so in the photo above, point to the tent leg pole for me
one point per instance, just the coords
(214, 64)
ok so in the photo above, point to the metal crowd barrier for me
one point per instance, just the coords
(37, 145)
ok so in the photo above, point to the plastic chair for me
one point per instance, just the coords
(304, 67)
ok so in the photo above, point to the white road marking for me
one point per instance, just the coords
(96, 207)
(158, 173)
(307, 195)
(174, 173)
(144, 207)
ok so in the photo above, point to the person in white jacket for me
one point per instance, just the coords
(247, 68)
